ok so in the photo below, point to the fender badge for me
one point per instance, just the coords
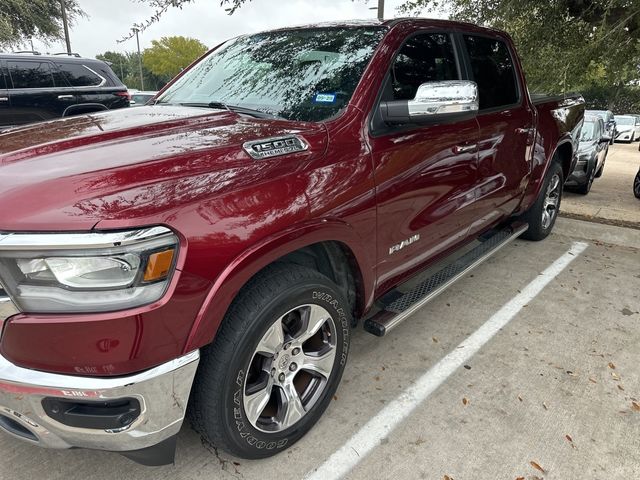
(404, 243)
(274, 147)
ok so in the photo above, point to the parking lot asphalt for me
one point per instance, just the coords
(611, 198)
(554, 394)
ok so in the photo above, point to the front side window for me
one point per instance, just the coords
(80, 76)
(493, 70)
(26, 74)
(305, 74)
(589, 132)
(423, 58)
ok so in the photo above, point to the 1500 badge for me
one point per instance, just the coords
(404, 243)
(274, 147)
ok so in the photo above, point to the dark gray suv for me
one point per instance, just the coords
(35, 87)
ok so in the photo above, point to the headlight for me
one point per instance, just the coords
(87, 272)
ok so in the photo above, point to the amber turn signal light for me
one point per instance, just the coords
(158, 266)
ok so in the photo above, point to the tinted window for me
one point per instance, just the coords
(424, 58)
(2, 82)
(79, 76)
(26, 74)
(493, 71)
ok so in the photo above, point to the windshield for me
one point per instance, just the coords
(588, 132)
(625, 120)
(307, 75)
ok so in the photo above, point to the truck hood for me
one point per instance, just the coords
(72, 173)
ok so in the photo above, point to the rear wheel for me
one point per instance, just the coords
(542, 215)
(275, 364)
(636, 185)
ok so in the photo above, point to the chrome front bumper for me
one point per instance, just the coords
(162, 391)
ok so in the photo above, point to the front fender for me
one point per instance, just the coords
(252, 260)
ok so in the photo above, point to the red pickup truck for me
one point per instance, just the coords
(216, 249)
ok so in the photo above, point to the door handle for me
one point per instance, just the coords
(4, 99)
(465, 148)
(65, 97)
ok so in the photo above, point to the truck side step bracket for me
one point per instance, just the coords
(405, 305)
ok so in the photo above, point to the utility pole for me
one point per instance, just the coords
(65, 24)
(139, 59)
(380, 9)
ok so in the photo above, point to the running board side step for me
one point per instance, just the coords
(405, 305)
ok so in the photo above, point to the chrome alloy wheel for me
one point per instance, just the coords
(290, 368)
(551, 201)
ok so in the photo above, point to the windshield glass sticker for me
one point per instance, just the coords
(325, 98)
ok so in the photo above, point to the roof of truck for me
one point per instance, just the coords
(389, 23)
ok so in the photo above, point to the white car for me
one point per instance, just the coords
(627, 128)
(139, 98)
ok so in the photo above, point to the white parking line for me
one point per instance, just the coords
(379, 427)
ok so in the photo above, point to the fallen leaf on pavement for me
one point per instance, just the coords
(435, 340)
(612, 366)
(615, 376)
(620, 387)
(544, 405)
(537, 466)
(519, 398)
(635, 407)
(592, 380)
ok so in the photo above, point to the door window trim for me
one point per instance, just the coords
(376, 132)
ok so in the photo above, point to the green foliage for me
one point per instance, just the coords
(169, 55)
(620, 100)
(125, 66)
(21, 20)
(564, 44)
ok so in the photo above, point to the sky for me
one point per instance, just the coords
(109, 21)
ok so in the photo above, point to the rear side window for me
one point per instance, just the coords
(424, 58)
(25, 74)
(493, 71)
(79, 75)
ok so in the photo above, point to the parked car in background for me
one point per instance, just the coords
(139, 98)
(628, 128)
(609, 122)
(592, 155)
(217, 247)
(35, 87)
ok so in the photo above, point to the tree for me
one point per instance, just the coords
(21, 20)
(125, 66)
(564, 44)
(169, 55)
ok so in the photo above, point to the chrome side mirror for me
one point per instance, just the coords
(434, 102)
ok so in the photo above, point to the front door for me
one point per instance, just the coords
(425, 175)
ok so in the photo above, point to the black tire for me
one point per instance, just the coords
(585, 188)
(601, 169)
(228, 366)
(636, 185)
(538, 228)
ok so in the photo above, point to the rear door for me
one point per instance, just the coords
(507, 128)
(38, 92)
(425, 174)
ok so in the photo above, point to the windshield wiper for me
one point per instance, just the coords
(232, 108)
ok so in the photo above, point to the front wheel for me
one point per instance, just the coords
(275, 363)
(591, 175)
(636, 185)
(542, 215)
